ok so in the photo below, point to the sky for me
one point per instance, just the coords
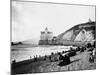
(29, 18)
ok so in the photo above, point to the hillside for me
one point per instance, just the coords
(81, 32)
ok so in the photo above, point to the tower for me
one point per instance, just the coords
(90, 20)
(46, 36)
(46, 29)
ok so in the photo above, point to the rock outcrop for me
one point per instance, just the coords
(80, 33)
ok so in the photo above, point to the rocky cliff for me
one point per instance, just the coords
(81, 32)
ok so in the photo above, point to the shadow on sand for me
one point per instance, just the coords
(67, 62)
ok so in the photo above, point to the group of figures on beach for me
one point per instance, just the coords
(65, 55)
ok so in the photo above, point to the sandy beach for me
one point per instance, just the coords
(78, 62)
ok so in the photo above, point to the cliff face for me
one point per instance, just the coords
(82, 32)
(85, 36)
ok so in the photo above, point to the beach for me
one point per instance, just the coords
(20, 53)
(79, 61)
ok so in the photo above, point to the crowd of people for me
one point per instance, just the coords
(65, 55)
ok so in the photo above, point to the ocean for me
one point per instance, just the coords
(20, 54)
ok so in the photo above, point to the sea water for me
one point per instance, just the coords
(20, 54)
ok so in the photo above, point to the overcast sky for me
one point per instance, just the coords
(29, 18)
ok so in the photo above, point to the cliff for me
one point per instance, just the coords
(81, 32)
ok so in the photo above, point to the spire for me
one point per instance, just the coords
(90, 20)
(46, 29)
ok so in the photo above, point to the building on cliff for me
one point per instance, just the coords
(80, 34)
(46, 37)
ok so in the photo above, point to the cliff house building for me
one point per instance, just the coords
(46, 37)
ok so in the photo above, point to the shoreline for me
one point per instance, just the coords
(81, 62)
